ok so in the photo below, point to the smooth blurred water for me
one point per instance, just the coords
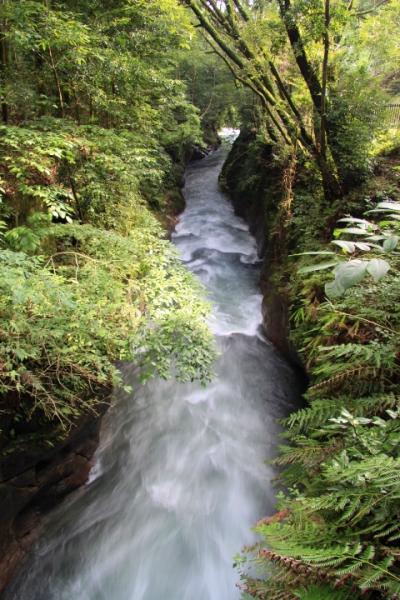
(180, 476)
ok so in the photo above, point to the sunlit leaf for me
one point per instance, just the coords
(378, 268)
(351, 230)
(318, 267)
(389, 206)
(349, 247)
(349, 273)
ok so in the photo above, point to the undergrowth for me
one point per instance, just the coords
(336, 531)
(87, 277)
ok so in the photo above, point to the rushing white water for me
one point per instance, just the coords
(180, 476)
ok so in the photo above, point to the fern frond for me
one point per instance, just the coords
(320, 410)
(360, 372)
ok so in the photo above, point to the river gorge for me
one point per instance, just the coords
(181, 474)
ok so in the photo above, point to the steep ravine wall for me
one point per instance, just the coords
(254, 183)
(33, 479)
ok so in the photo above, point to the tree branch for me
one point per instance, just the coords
(370, 10)
(296, 42)
(247, 83)
(241, 10)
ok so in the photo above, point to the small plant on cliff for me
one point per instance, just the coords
(363, 236)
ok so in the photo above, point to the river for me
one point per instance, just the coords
(181, 475)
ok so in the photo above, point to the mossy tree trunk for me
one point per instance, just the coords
(3, 67)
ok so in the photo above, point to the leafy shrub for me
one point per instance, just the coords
(337, 523)
(367, 237)
(72, 172)
(99, 298)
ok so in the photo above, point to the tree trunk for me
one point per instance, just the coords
(323, 131)
(57, 82)
(296, 41)
(3, 70)
(330, 182)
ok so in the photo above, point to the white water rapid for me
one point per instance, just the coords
(180, 476)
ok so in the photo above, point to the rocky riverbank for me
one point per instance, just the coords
(35, 477)
(254, 182)
(41, 464)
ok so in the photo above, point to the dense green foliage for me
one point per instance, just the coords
(100, 297)
(209, 85)
(96, 127)
(337, 522)
(374, 241)
(341, 516)
(323, 72)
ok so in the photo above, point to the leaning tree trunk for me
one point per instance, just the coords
(330, 181)
(3, 68)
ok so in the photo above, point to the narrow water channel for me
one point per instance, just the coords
(180, 476)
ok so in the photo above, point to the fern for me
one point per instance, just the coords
(309, 454)
(373, 573)
(375, 354)
(321, 410)
(339, 520)
(322, 593)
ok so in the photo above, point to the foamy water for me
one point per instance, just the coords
(180, 476)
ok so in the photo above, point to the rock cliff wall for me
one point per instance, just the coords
(33, 479)
(253, 180)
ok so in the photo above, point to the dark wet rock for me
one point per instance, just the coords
(33, 479)
(198, 153)
(254, 182)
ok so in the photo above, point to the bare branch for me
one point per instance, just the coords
(370, 10)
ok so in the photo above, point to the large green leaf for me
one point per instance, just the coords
(333, 289)
(355, 220)
(378, 268)
(319, 267)
(349, 247)
(363, 246)
(352, 230)
(389, 205)
(350, 273)
(390, 243)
